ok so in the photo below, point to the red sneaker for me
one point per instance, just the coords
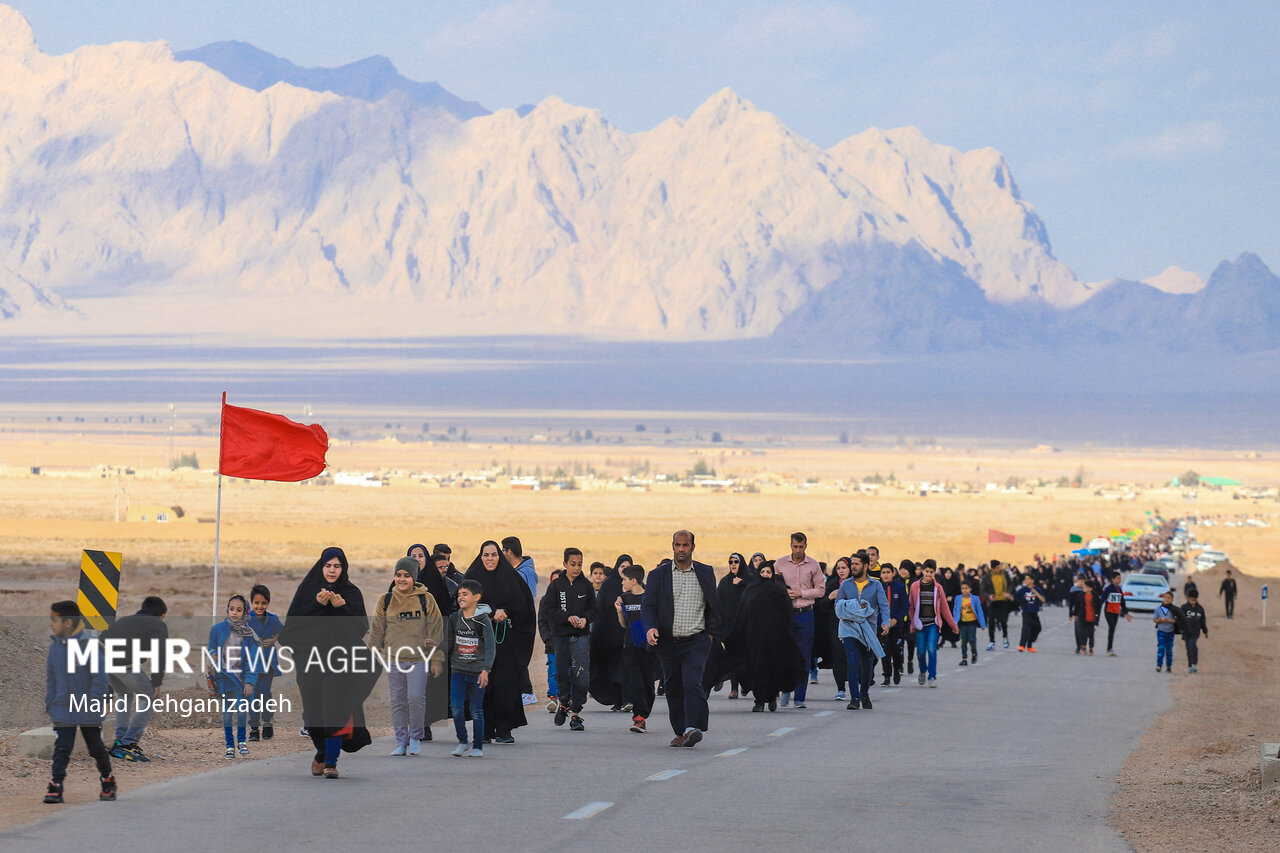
(637, 725)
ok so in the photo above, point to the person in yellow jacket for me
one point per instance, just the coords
(408, 625)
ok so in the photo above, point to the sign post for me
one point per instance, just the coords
(99, 588)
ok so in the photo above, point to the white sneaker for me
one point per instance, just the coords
(460, 750)
(933, 682)
(476, 753)
(399, 750)
(991, 647)
(785, 700)
(841, 697)
(801, 705)
(415, 746)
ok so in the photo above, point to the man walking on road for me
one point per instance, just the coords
(1228, 591)
(681, 604)
(805, 584)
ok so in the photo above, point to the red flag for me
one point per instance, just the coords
(997, 536)
(261, 446)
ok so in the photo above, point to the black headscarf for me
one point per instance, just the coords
(430, 577)
(731, 593)
(605, 683)
(504, 589)
(331, 701)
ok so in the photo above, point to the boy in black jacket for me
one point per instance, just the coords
(569, 608)
(638, 666)
(1193, 625)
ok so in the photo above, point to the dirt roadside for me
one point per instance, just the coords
(1193, 781)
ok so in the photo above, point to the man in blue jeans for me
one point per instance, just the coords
(859, 649)
(805, 585)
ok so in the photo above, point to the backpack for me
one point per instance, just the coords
(422, 601)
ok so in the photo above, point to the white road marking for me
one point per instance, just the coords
(729, 753)
(589, 810)
(824, 713)
(782, 731)
(663, 776)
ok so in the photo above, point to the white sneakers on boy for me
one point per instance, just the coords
(460, 750)
(399, 750)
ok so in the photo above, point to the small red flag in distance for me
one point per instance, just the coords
(997, 536)
(263, 446)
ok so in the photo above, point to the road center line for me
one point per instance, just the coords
(729, 753)
(782, 731)
(824, 713)
(663, 776)
(589, 810)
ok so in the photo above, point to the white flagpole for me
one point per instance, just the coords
(217, 528)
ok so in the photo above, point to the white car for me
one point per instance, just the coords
(1142, 591)
(1209, 559)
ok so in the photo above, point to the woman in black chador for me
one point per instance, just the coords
(514, 626)
(762, 636)
(324, 630)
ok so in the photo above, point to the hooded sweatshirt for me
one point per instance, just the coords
(469, 641)
(409, 623)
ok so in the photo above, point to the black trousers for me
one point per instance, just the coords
(1112, 619)
(1030, 629)
(683, 663)
(1084, 633)
(66, 740)
(1193, 651)
(1231, 606)
(891, 663)
(999, 616)
(638, 674)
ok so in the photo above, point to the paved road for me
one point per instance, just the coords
(1018, 753)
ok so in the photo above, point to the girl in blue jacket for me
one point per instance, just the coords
(237, 659)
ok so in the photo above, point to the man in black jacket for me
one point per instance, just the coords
(568, 609)
(138, 688)
(1193, 625)
(1228, 591)
(681, 605)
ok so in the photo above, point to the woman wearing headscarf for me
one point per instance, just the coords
(437, 688)
(514, 627)
(327, 615)
(758, 559)
(730, 590)
(606, 640)
(831, 648)
(763, 637)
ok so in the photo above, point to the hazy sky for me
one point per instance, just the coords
(1143, 133)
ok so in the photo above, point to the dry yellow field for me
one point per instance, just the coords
(275, 529)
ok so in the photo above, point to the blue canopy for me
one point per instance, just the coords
(1086, 552)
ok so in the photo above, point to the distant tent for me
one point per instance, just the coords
(1220, 481)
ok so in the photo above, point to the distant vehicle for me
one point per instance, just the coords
(1155, 568)
(1209, 559)
(1170, 563)
(1143, 591)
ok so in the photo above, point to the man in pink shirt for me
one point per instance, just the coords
(805, 585)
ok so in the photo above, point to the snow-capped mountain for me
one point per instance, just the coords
(228, 191)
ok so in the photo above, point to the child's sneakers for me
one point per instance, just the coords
(254, 736)
(244, 748)
(460, 750)
(637, 724)
(231, 752)
(964, 663)
(54, 794)
(562, 714)
(108, 792)
(476, 752)
(415, 746)
(268, 732)
(575, 724)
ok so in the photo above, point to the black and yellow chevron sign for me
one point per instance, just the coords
(99, 588)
